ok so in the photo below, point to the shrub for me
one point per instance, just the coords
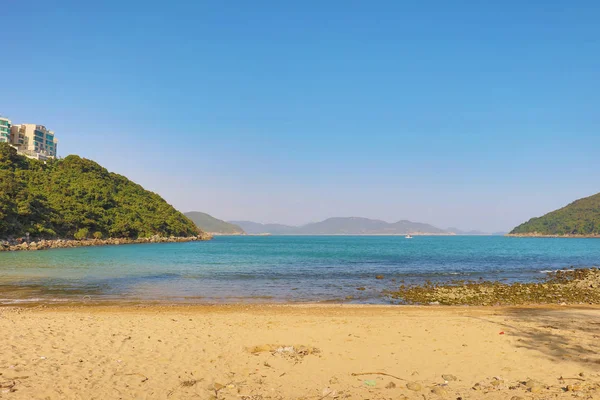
(81, 234)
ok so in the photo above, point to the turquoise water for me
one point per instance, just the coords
(279, 268)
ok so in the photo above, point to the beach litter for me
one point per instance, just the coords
(188, 383)
(329, 392)
(294, 353)
(376, 373)
(370, 382)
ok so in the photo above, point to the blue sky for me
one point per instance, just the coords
(455, 113)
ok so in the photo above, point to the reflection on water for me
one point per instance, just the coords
(278, 269)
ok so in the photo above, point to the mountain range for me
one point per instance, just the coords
(343, 226)
(210, 224)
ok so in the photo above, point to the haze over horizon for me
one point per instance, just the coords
(467, 115)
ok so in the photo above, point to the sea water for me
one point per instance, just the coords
(279, 268)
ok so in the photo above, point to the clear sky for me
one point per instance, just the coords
(472, 114)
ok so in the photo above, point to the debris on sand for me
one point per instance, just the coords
(294, 353)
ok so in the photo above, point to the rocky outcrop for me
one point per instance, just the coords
(577, 286)
(43, 244)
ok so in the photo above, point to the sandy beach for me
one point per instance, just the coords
(299, 352)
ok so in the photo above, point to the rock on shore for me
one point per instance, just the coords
(43, 244)
(579, 286)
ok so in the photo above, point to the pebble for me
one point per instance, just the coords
(534, 387)
(573, 388)
(390, 385)
(379, 277)
(360, 288)
(448, 377)
(413, 386)
(439, 391)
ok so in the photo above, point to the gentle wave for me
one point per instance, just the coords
(32, 300)
(550, 271)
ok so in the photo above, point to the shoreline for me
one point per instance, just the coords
(47, 244)
(334, 308)
(572, 287)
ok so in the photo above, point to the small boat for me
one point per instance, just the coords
(407, 237)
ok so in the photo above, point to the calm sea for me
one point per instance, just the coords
(279, 268)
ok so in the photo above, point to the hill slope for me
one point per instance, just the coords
(210, 224)
(75, 197)
(582, 217)
(343, 226)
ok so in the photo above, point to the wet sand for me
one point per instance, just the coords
(299, 352)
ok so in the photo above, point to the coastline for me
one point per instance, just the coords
(46, 244)
(255, 352)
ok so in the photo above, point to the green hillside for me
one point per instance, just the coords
(582, 217)
(77, 198)
(210, 224)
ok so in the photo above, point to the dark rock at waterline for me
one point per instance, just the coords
(560, 287)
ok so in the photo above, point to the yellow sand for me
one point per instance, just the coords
(244, 352)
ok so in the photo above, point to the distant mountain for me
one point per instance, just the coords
(210, 224)
(580, 218)
(255, 228)
(343, 226)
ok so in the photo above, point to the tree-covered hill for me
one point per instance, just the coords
(582, 217)
(210, 224)
(77, 198)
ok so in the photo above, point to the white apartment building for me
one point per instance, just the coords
(34, 140)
